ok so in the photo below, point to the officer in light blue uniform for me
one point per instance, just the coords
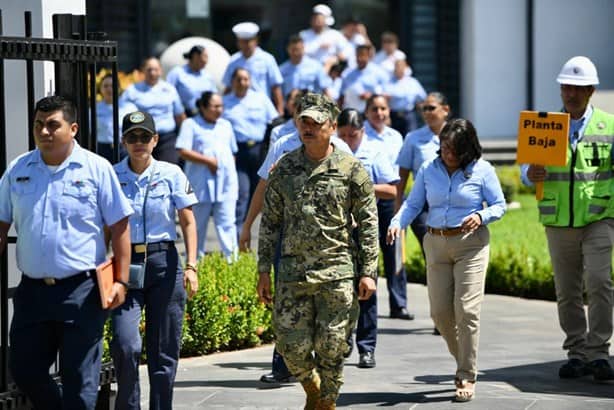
(301, 72)
(158, 191)
(59, 196)
(262, 67)
(404, 93)
(377, 114)
(350, 128)
(249, 112)
(362, 82)
(104, 118)
(191, 79)
(207, 143)
(160, 99)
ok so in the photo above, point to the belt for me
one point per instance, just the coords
(249, 143)
(152, 247)
(49, 281)
(444, 232)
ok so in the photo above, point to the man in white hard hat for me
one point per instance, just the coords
(322, 42)
(577, 211)
(262, 67)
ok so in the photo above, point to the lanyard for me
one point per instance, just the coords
(153, 170)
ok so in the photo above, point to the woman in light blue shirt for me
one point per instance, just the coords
(207, 143)
(158, 191)
(464, 195)
(104, 118)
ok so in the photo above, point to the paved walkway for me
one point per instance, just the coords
(519, 358)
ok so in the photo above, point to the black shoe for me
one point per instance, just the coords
(436, 332)
(350, 343)
(601, 369)
(401, 314)
(277, 378)
(367, 360)
(573, 369)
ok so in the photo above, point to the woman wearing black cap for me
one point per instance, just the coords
(191, 79)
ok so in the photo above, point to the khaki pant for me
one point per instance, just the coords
(584, 255)
(312, 323)
(455, 269)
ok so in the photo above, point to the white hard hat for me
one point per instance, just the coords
(246, 30)
(578, 70)
(324, 10)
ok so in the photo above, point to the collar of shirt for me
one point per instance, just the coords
(77, 156)
(577, 127)
(122, 168)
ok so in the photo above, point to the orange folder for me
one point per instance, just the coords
(105, 273)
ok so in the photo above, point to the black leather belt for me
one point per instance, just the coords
(49, 281)
(248, 144)
(152, 247)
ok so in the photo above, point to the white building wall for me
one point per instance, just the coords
(566, 28)
(493, 65)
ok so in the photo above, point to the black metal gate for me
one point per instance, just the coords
(76, 54)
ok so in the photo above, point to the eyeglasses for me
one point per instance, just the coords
(428, 108)
(144, 138)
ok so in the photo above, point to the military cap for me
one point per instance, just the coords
(318, 107)
(246, 30)
(138, 120)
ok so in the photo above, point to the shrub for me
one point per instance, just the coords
(225, 314)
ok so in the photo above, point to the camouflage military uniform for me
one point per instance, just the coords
(314, 205)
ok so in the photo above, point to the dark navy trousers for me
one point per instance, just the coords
(67, 318)
(163, 298)
(396, 281)
(249, 158)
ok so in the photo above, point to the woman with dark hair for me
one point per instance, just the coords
(464, 195)
(377, 114)
(350, 128)
(207, 143)
(191, 79)
(104, 118)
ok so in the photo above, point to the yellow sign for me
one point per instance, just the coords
(542, 138)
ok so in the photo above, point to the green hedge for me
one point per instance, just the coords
(225, 314)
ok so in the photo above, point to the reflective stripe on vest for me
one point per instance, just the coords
(583, 177)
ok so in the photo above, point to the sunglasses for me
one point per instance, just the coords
(428, 108)
(134, 138)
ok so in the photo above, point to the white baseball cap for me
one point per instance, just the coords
(246, 30)
(324, 10)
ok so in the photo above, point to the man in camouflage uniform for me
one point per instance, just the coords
(315, 195)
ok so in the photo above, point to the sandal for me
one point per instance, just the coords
(465, 390)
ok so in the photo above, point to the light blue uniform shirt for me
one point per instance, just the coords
(404, 93)
(216, 140)
(59, 215)
(418, 147)
(306, 75)
(391, 140)
(262, 68)
(370, 79)
(576, 133)
(249, 115)
(287, 143)
(169, 191)
(190, 84)
(372, 156)
(286, 128)
(453, 198)
(104, 119)
(161, 101)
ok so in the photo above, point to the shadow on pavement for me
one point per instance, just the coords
(391, 399)
(245, 365)
(231, 384)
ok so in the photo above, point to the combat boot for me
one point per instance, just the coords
(325, 404)
(312, 389)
